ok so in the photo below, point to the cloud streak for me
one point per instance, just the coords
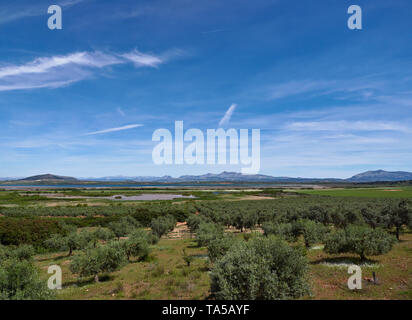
(62, 70)
(128, 127)
(228, 115)
(10, 14)
(347, 126)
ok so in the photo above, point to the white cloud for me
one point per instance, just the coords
(361, 87)
(121, 112)
(12, 13)
(347, 126)
(43, 65)
(62, 70)
(141, 59)
(128, 127)
(228, 115)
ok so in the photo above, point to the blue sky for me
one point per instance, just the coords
(84, 101)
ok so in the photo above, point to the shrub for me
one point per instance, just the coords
(18, 231)
(23, 252)
(19, 280)
(92, 262)
(361, 240)
(264, 268)
(187, 258)
(218, 247)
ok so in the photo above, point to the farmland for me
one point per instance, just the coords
(389, 192)
(176, 248)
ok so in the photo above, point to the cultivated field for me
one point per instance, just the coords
(110, 248)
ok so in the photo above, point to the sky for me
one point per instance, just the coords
(84, 101)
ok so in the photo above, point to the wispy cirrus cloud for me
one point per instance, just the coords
(10, 13)
(62, 70)
(343, 125)
(228, 115)
(361, 87)
(141, 59)
(128, 127)
(121, 112)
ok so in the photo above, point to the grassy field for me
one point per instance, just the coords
(163, 276)
(390, 192)
(166, 276)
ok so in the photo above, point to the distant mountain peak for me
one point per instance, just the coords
(381, 175)
(228, 176)
(48, 176)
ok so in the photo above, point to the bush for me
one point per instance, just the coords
(264, 268)
(361, 240)
(218, 247)
(19, 280)
(92, 262)
(187, 258)
(208, 232)
(23, 252)
(18, 231)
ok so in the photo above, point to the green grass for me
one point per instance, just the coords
(166, 276)
(163, 276)
(401, 192)
(393, 271)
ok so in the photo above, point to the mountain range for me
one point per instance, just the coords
(368, 176)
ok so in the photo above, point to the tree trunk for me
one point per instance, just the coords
(70, 251)
(397, 233)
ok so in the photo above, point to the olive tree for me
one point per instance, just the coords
(207, 232)
(312, 232)
(361, 240)
(193, 222)
(283, 230)
(123, 226)
(73, 241)
(163, 225)
(137, 245)
(397, 215)
(218, 247)
(20, 253)
(19, 280)
(102, 234)
(264, 268)
(94, 261)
